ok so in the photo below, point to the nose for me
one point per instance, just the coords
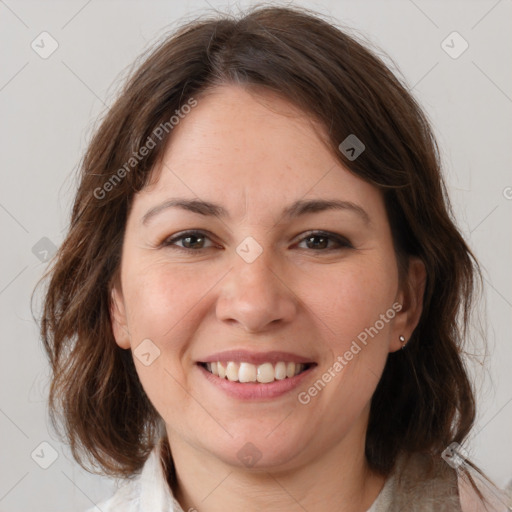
(256, 296)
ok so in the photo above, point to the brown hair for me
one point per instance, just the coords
(424, 400)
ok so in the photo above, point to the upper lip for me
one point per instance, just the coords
(255, 357)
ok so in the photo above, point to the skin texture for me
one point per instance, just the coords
(254, 154)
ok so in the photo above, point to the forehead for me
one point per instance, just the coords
(239, 144)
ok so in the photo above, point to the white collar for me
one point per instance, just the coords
(148, 491)
(155, 494)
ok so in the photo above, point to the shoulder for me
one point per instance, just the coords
(126, 498)
(492, 499)
(425, 483)
(148, 490)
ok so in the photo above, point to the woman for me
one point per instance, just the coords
(255, 306)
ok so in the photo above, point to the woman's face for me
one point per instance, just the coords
(278, 284)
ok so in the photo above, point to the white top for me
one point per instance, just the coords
(146, 492)
(150, 492)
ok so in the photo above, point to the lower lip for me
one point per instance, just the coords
(256, 390)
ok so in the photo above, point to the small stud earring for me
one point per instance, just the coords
(402, 340)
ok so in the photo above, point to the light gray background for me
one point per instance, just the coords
(48, 108)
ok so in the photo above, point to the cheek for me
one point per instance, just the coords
(162, 299)
(355, 315)
(351, 301)
(163, 304)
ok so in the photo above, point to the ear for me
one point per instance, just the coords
(410, 297)
(118, 316)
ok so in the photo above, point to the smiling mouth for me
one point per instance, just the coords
(264, 373)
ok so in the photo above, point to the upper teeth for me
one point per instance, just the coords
(247, 372)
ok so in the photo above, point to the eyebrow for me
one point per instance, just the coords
(296, 209)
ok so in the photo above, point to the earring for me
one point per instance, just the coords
(402, 341)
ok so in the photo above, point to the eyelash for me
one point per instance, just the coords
(341, 241)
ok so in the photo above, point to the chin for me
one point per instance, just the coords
(258, 450)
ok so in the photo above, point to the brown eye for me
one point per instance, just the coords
(193, 241)
(190, 241)
(319, 241)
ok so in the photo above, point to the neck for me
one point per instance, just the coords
(339, 480)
